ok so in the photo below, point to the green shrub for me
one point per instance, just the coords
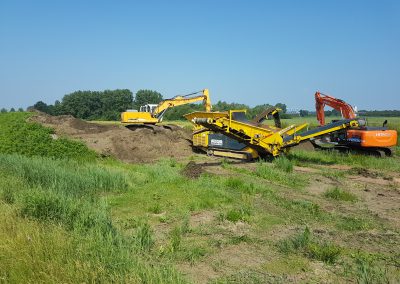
(32, 139)
(340, 194)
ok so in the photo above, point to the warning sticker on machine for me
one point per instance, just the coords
(216, 142)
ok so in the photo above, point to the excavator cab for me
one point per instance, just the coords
(148, 108)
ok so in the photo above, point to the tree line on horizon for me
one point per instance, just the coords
(108, 105)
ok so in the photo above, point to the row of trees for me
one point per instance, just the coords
(371, 113)
(108, 104)
(4, 110)
(92, 105)
(96, 105)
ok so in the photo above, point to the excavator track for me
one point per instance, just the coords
(154, 128)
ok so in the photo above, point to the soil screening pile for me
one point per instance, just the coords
(140, 145)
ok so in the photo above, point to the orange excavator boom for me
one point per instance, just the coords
(321, 100)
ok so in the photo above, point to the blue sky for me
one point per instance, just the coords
(250, 51)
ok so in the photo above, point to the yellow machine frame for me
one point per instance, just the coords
(264, 140)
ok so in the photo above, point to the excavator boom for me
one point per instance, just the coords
(154, 113)
(164, 105)
(321, 100)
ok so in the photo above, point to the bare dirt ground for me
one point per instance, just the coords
(139, 145)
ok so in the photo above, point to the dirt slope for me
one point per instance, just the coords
(140, 145)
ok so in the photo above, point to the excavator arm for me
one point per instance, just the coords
(131, 118)
(164, 105)
(321, 100)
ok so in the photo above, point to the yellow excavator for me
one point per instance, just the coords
(241, 138)
(151, 114)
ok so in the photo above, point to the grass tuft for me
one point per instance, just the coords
(340, 194)
(144, 237)
(284, 164)
(305, 244)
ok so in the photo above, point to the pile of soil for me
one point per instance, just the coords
(364, 172)
(192, 170)
(306, 146)
(142, 145)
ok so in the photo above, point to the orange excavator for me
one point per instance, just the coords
(377, 141)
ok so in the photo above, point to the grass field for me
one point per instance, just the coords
(309, 217)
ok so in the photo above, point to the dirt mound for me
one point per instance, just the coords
(306, 146)
(139, 145)
(369, 174)
(192, 170)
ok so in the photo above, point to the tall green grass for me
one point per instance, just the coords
(57, 229)
(68, 177)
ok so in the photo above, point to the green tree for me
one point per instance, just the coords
(147, 97)
(3, 110)
(304, 112)
(258, 109)
(12, 109)
(95, 105)
(41, 106)
(281, 106)
(20, 109)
